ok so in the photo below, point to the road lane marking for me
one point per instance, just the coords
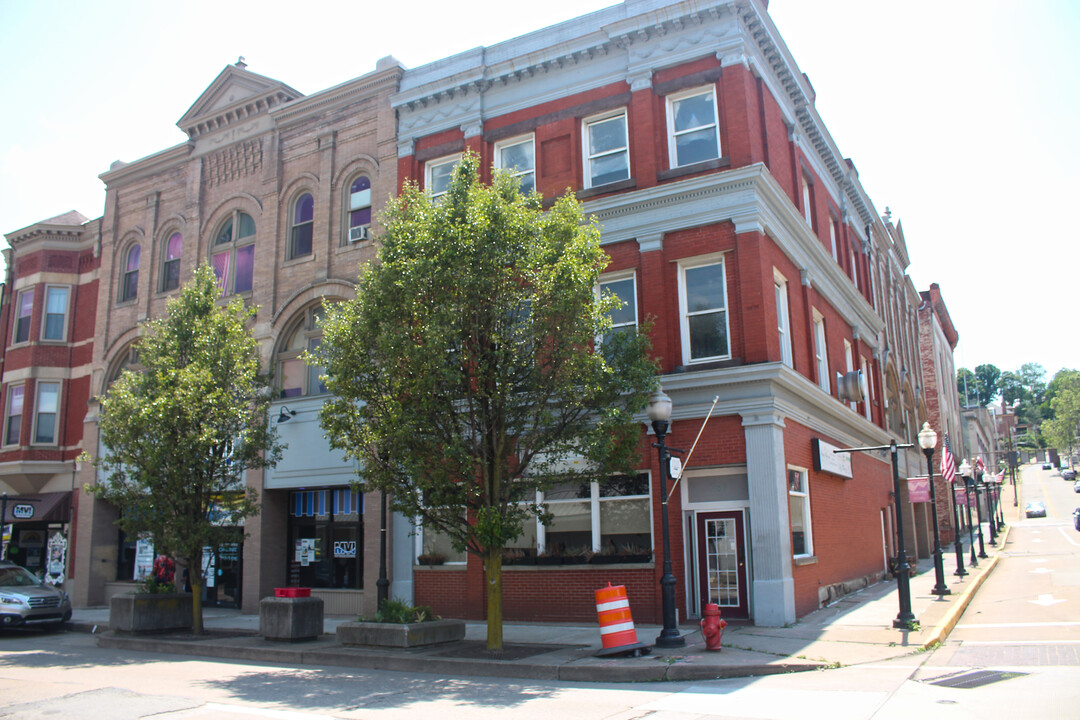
(1020, 642)
(1068, 536)
(1041, 570)
(1046, 600)
(1019, 625)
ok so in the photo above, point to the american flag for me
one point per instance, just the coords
(948, 464)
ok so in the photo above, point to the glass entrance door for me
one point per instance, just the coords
(722, 577)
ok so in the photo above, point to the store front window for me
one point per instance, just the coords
(326, 538)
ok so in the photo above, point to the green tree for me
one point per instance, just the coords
(180, 434)
(466, 372)
(968, 385)
(988, 376)
(1062, 429)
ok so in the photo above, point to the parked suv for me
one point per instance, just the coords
(26, 600)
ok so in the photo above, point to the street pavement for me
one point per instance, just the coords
(855, 630)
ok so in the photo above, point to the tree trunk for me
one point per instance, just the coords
(195, 578)
(493, 566)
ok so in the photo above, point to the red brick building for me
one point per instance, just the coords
(730, 216)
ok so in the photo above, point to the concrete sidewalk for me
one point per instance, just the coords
(856, 629)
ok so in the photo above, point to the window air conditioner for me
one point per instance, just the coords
(357, 234)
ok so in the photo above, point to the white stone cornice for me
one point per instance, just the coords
(649, 243)
(148, 166)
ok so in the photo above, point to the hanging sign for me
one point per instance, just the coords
(57, 560)
(825, 460)
(144, 559)
(918, 490)
(23, 511)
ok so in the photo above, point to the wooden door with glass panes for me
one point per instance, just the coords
(721, 548)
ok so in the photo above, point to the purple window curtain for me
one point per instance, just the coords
(221, 268)
(245, 268)
(175, 246)
(305, 209)
(360, 202)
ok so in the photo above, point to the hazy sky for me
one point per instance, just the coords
(960, 117)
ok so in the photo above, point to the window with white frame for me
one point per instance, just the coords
(867, 385)
(233, 253)
(703, 310)
(56, 307)
(25, 305)
(170, 266)
(821, 352)
(783, 319)
(623, 318)
(518, 157)
(438, 173)
(849, 362)
(45, 412)
(854, 270)
(693, 133)
(606, 149)
(802, 539)
(608, 518)
(13, 414)
(807, 204)
(358, 209)
(833, 235)
(129, 276)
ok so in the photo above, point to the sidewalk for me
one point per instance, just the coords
(856, 629)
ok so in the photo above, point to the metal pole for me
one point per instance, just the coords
(1001, 512)
(978, 514)
(382, 585)
(988, 491)
(957, 545)
(905, 618)
(3, 524)
(669, 636)
(939, 570)
(969, 484)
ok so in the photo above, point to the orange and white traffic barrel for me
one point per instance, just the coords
(617, 634)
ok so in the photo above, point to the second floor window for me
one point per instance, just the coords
(607, 149)
(692, 128)
(14, 415)
(518, 157)
(623, 318)
(783, 320)
(129, 281)
(45, 408)
(703, 297)
(170, 266)
(56, 304)
(22, 320)
(359, 208)
(303, 224)
(438, 174)
(296, 378)
(821, 353)
(807, 203)
(233, 254)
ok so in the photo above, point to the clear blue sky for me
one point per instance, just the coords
(960, 117)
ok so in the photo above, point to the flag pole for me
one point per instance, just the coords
(701, 430)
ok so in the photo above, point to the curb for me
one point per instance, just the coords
(943, 628)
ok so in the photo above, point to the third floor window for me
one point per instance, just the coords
(693, 132)
(607, 149)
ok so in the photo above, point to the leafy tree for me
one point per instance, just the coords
(988, 383)
(1062, 429)
(968, 385)
(1011, 388)
(466, 373)
(181, 433)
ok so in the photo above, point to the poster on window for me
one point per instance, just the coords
(305, 551)
(918, 490)
(144, 559)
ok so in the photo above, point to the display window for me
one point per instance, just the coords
(326, 539)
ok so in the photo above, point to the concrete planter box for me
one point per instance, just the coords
(291, 619)
(146, 613)
(400, 636)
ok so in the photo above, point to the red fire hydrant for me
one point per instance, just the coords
(712, 626)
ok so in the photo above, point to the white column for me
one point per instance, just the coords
(773, 597)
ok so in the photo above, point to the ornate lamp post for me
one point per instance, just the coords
(978, 476)
(969, 482)
(957, 545)
(928, 441)
(659, 413)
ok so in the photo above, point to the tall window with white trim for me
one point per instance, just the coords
(849, 362)
(623, 318)
(783, 321)
(56, 307)
(438, 173)
(24, 312)
(867, 385)
(821, 353)
(807, 203)
(833, 235)
(802, 539)
(45, 412)
(606, 149)
(693, 133)
(518, 157)
(703, 306)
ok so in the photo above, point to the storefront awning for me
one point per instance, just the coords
(44, 507)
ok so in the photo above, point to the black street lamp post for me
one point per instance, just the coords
(957, 545)
(988, 491)
(659, 413)
(928, 441)
(382, 585)
(965, 472)
(1001, 511)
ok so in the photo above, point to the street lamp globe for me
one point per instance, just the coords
(965, 468)
(927, 437)
(659, 406)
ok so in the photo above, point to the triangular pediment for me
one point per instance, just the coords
(237, 94)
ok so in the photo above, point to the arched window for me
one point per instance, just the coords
(359, 208)
(233, 254)
(296, 379)
(303, 218)
(170, 266)
(129, 280)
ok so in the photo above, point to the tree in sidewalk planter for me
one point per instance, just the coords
(466, 375)
(181, 433)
